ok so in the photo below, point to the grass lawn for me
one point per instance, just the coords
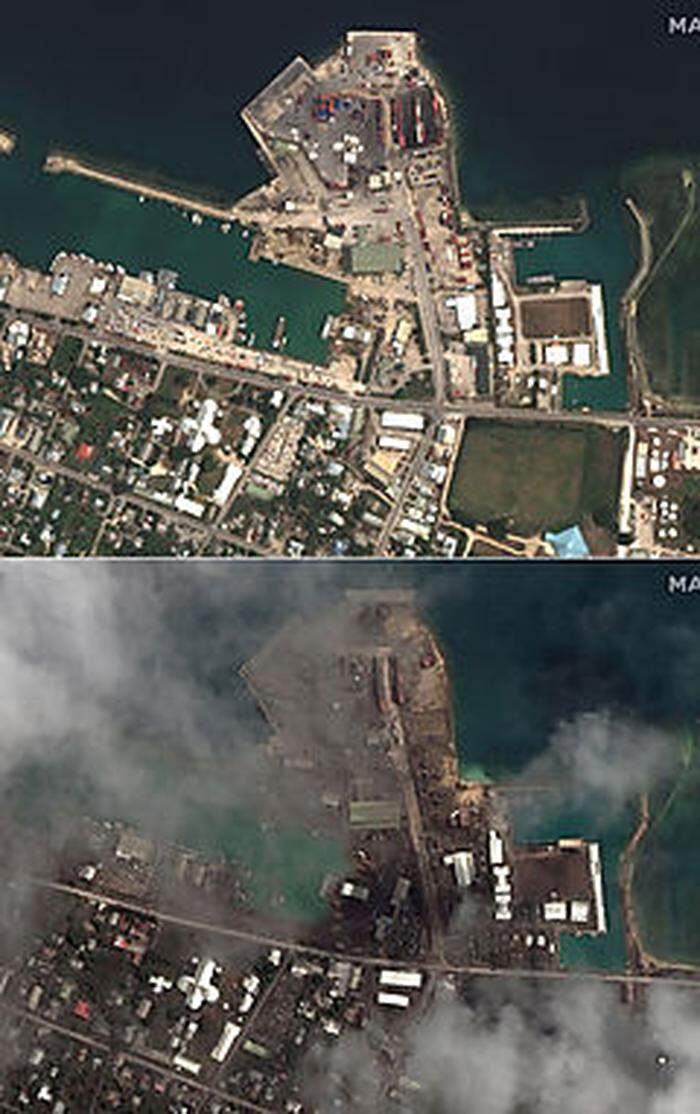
(665, 891)
(66, 355)
(536, 477)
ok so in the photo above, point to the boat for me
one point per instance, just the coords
(420, 126)
(278, 336)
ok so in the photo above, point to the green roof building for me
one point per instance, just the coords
(367, 258)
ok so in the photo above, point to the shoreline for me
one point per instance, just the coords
(637, 378)
(640, 960)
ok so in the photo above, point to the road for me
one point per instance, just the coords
(640, 393)
(624, 521)
(396, 511)
(426, 303)
(629, 304)
(398, 752)
(612, 419)
(436, 966)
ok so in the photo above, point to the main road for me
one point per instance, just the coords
(434, 965)
(426, 303)
(611, 419)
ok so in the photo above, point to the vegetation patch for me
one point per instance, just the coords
(531, 478)
(669, 329)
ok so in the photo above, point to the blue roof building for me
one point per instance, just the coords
(569, 543)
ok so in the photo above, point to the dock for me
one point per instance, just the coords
(59, 162)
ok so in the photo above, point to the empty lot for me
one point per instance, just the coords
(555, 317)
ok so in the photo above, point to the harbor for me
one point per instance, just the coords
(46, 213)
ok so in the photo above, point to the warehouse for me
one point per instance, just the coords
(395, 419)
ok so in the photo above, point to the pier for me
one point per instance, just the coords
(59, 162)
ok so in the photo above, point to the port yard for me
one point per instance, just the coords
(364, 732)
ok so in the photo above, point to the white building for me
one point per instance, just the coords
(385, 999)
(405, 980)
(462, 863)
(225, 1043)
(229, 480)
(495, 848)
(199, 988)
(465, 307)
(202, 431)
(554, 910)
(394, 444)
(397, 419)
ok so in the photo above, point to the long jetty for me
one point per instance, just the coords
(59, 162)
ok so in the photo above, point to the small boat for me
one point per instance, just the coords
(278, 336)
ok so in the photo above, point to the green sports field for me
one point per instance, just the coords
(536, 477)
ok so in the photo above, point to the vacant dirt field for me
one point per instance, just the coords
(555, 317)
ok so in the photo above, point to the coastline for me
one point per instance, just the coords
(640, 959)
